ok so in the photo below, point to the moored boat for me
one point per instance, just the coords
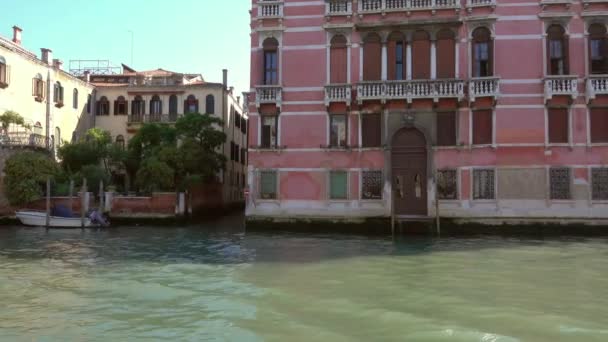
(38, 219)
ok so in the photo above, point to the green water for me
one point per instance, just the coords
(217, 283)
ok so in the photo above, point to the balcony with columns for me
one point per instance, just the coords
(471, 4)
(338, 8)
(408, 6)
(338, 93)
(270, 9)
(596, 85)
(268, 95)
(484, 87)
(560, 85)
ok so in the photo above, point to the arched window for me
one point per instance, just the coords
(446, 54)
(4, 73)
(210, 104)
(120, 106)
(191, 104)
(421, 55)
(396, 56)
(75, 98)
(372, 58)
(271, 67)
(156, 107)
(482, 54)
(120, 141)
(89, 104)
(38, 88)
(337, 57)
(58, 94)
(557, 48)
(138, 106)
(598, 49)
(103, 106)
(173, 106)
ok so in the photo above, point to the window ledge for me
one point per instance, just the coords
(484, 201)
(58, 104)
(599, 202)
(38, 98)
(372, 201)
(598, 144)
(493, 146)
(3, 85)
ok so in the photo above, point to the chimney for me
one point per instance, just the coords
(87, 76)
(47, 56)
(17, 35)
(238, 99)
(225, 79)
(58, 63)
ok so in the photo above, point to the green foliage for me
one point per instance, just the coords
(74, 156)
(25, 176)
(93, 174)
(155, 175)
(11, 117)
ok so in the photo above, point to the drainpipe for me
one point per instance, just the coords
(224, 97)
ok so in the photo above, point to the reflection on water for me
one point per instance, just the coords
(216, 283)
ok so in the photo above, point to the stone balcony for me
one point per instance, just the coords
(268, 94)
(480, 3)
(484, 87)
(153, 118)
(565, 85)
(383, 6)
(596, 85)
(338, 7)
(270, 9)
(410, 90)
(338, 93)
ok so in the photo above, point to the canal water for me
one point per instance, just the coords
(218, 283)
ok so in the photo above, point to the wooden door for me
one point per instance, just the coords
(409, 159)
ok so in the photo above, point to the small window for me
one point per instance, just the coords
(599, 184)
(89, 104)
(559, 179)
(599, 125)
(482, 127)
(371, 130)
(156, 106)
(210, 104)
(5, 74)
(557, 50)
(58, 94)
(103, 106)
(38, 88)
(483, 185)
(598, 49)
(338, 181)
(446, 129)
(447, 184)
(269, 131)
(372, 184)
(268, 185)
(75, 99)
(558, 125)
(270, 46)
(191, 105)
(120, 106)
(482, 52)
(120, 141)
(337, 137)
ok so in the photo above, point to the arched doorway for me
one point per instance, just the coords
(409, 163)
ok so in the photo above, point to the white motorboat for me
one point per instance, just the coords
(38, 219)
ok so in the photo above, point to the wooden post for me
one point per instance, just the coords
(437, 220)
(82, 201)
(101, 196)
(48, 202)
(71, 195)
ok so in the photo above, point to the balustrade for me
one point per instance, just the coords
(339, 7)
(484, 87)
(596, 85)
(268, 94)
(270, 9)
(371, 6)
(337, 93)
(411, 89)
(560, 85)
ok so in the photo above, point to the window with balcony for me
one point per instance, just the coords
(120, 141)
(483, 184)
(599, 124)
(598, 49)
(271, 62)
(482, 127)
(447, 184)
(559, 180)
(446, 54)
(156, 106)
(396, 56)
(210, 104)
(191, 104)
(38, 88)
(269, 131)
(138, 107)
(338, 59)
(75, 98)
(446, 128)
(372, 57)
(4, 73)
(268, 185)
(103, 106)
(173, 107)
(482, 53)
(421, 55)
(372, 184)
(338, 185)
(337, 133)
(120, 106)
(557, 48)
(371, 130)
(558, 125)
(58, 94)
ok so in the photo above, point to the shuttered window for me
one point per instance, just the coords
(268, 185)
(446, 54)
(599, 125)
(558, 125)
(483, 185)
(371, 130)
(338, 185)
(446, 129)
(372, 58)
(482, 127)
(338, 59)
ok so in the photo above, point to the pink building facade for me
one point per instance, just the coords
(485, 110)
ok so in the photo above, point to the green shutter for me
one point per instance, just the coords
(338, 185)
(268, 185)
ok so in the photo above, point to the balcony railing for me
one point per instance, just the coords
(484, 87)
(338, 93)
(24, 139)
(560, 85)
(268, 94)
(338, 7)
(596, 85)
(270, 9)
(376, 6)
(481, 3)
(410, 90)
(153, 118)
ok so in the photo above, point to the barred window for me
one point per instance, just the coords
(447, 184)
(268, 185)
(559, 181)
(372, 185)
(599, 184)
(483, 184)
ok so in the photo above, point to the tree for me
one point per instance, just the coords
(25, 176)
(154, 175)
(10, 117)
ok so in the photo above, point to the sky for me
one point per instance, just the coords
(189, 36)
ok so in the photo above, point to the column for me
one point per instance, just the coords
(433, 59)
(408, 60)
(361, 62)
(384, 62)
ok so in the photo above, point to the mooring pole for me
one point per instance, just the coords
(82, 201)
(48, 202)
(437, 220)
(71, 195)
(101, 196)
